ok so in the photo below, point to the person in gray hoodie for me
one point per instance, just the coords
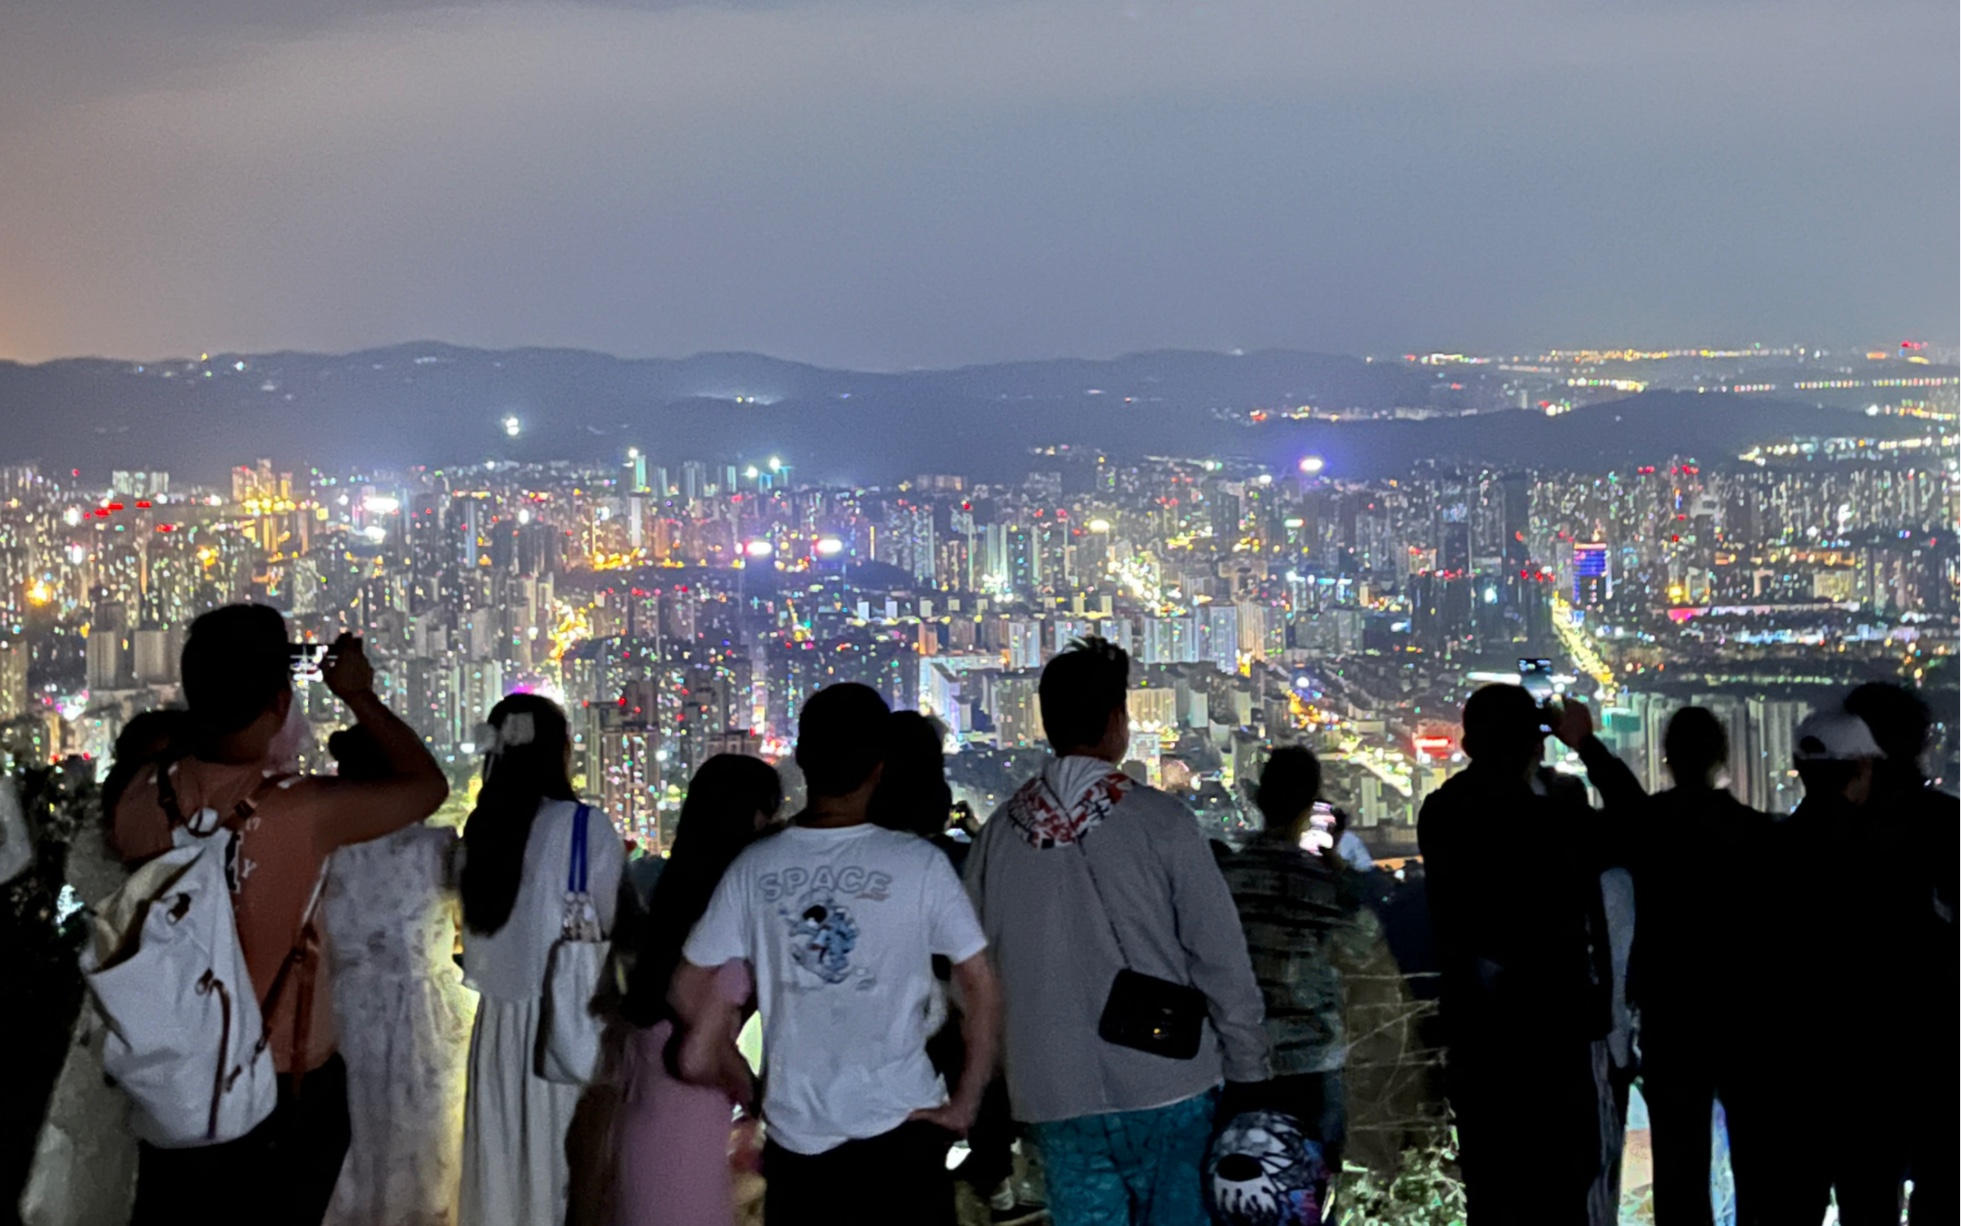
(1082, 874)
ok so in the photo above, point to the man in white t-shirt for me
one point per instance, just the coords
(841, 920)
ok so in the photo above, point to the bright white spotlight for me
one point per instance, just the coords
(513, 427)
(1312, 464)
(829, 547)
(759, 549)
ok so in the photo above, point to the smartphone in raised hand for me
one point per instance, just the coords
(305, 659)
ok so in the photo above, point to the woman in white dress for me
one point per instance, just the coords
(403, 1013)
(516, 851)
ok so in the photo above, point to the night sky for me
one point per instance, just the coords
(895, 183)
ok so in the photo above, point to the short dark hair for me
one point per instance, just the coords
(1289, 786)
(1501, 721)
(1695, 744)
(1081, 688)
(841, 738)
(1898, 717)
(236, 663)
(913, 794)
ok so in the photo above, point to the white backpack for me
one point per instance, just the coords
(187, 1040)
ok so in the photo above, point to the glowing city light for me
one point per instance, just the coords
(1099, 526)
(1312, 464)
(829, 547)
(759, 549)
(513, 427)
(380, 504)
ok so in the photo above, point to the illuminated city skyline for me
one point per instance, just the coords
(681, 604)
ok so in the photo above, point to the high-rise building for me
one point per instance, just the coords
(1169, 640)
(157, 651)
(1024, 643)
(623, 772)
(139, 484)
(1769, 779)
(1017, 710)
(1593, 578)
(13, 677)
(1218, 635)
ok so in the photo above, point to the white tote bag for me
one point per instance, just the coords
(569, 1038)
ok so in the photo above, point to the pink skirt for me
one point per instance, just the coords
(672, 1143)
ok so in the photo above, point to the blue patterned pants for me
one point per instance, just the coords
(1129, 1168)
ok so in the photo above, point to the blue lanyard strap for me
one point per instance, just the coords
(575, 879)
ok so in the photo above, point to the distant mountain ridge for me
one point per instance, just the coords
(437, 404)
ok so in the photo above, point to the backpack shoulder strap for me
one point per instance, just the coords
(301, 957)
(174, 814)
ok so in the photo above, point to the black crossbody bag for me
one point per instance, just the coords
(1143, 1012)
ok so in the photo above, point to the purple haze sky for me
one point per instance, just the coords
(892, 183)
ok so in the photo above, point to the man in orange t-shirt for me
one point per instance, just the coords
(238, 686)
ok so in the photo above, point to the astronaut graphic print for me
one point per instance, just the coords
(817, 908)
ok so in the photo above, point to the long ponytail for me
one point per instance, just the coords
(523, 771)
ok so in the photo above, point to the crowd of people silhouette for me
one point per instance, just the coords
(1081, 985)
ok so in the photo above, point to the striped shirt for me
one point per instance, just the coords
(1293, 907)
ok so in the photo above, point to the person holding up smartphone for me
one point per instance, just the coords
(238, 685)
(1527, 964)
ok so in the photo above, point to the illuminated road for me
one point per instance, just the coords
(1385, 762)
(1388, 765)
(1580, 647)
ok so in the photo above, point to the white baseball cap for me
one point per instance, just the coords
(1834, 736)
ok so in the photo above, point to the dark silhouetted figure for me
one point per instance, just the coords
(1692, 859)
(1527, 972)
(1819, 984)
(913, 796)
(1920, 827)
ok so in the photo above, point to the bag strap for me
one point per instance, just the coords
(294, 957)
(174, 815)
(1101, 905)
(575, 877)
